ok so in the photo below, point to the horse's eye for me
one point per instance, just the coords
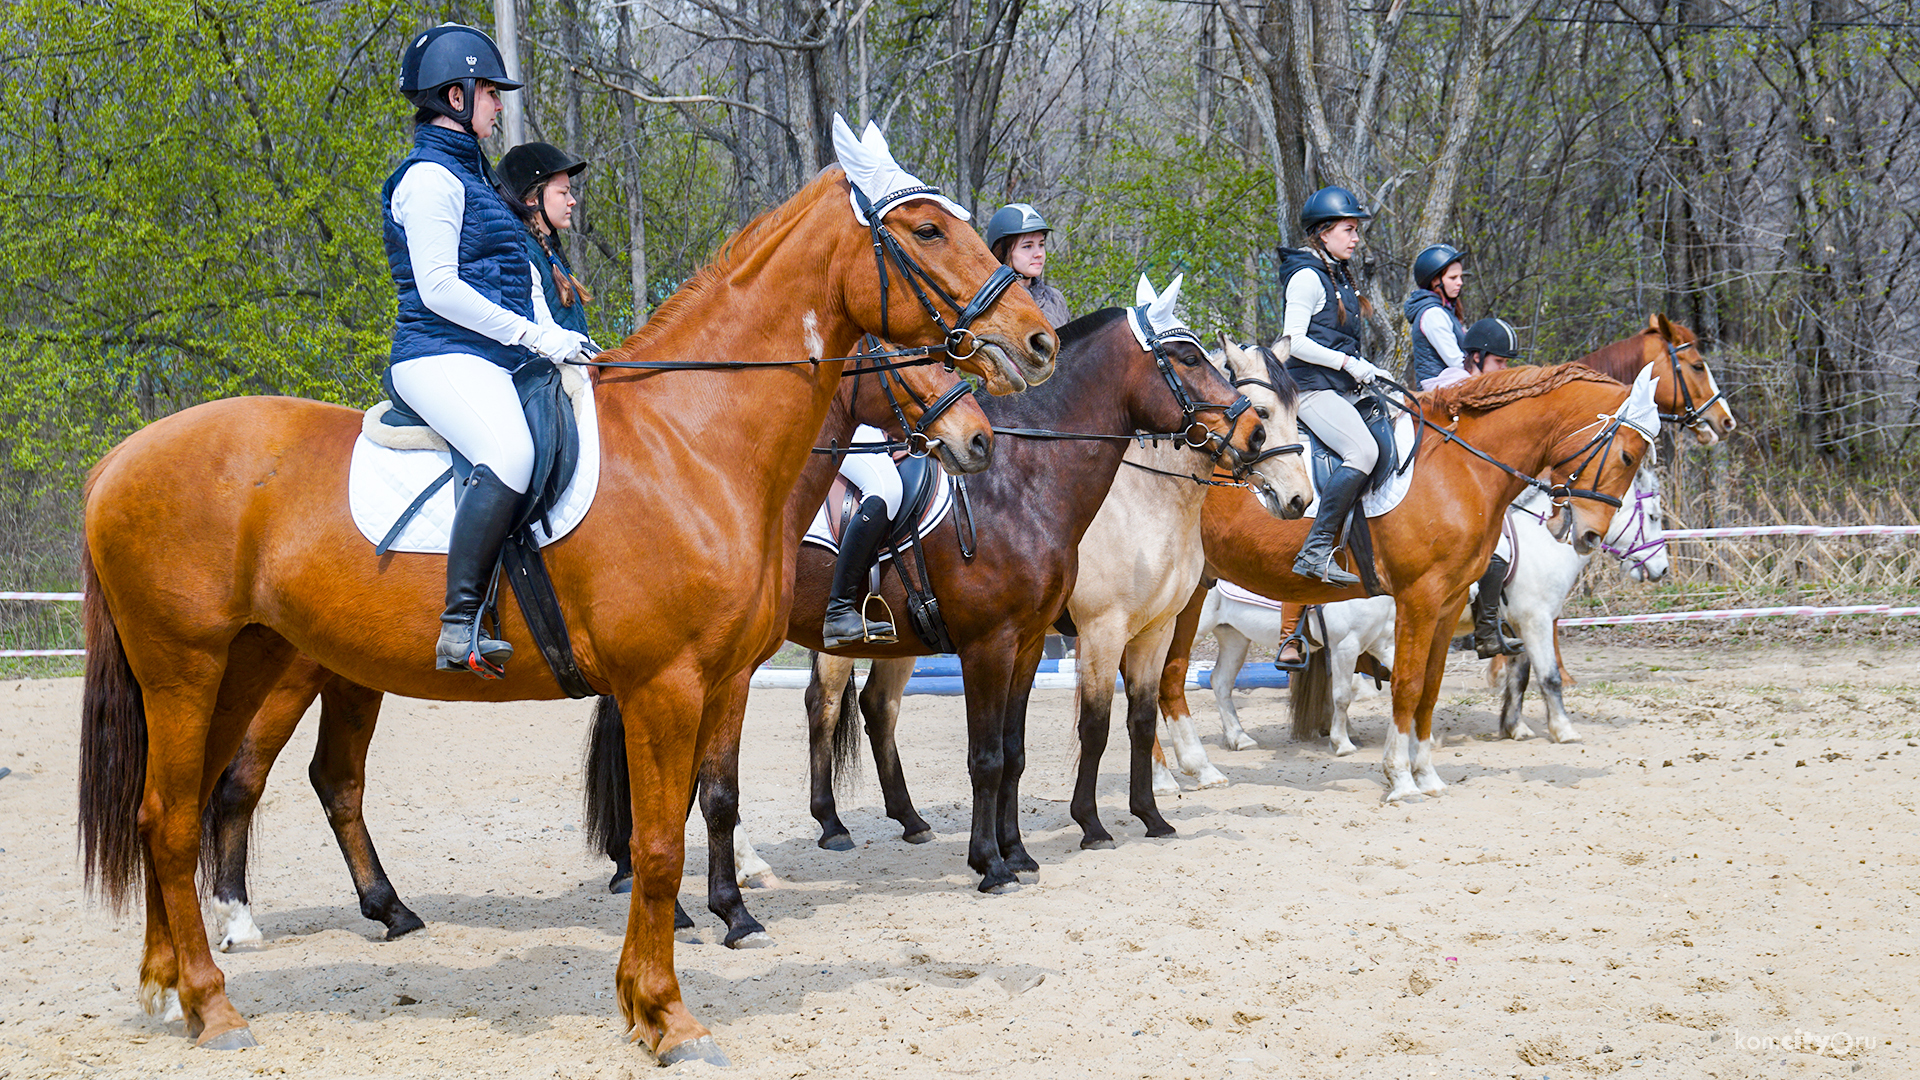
(1189, 359)
(1625, 458)
(1261, 412)
(928, 231)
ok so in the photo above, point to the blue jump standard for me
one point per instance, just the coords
(940, 676)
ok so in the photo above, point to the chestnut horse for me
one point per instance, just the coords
(1436, 543)
(1684, 390)
(1030, 510)
(926, 400)
(219, 547)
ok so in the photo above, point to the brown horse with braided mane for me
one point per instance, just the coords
(1436, 542)
(926, 406)
(219, 547)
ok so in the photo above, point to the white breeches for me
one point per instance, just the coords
(874, 473)
(1336, 423)
(471, 402)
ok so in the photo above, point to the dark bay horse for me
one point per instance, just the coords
(219, 547)
(1436, 542)
(1685, 389)
(1030, 510)
(925, 400)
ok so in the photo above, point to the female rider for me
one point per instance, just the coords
(1017, 235)
(538, 177)
(466, 315)
(1433, 313)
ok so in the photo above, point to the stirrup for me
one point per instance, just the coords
(1299, 641)
(867, 635)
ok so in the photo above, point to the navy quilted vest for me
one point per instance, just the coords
(1325, 327)
(493, 256)
(1426, 359)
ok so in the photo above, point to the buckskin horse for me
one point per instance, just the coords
(1030, 510)
(219, 547)
(926, 406)
(1436, 542)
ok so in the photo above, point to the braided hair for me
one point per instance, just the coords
(1338, 270)
(569, 288)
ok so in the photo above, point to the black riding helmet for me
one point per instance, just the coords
(1433, 262)
(451, 55)
(1330, 204)
(1014, 219)
(524, 167)
(1493, 336)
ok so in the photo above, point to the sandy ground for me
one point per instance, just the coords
(1721, 881)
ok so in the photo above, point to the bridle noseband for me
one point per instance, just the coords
(1693, 416)
(960, 342)
(1195, 434)
(918, 443)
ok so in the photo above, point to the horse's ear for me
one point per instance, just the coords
(1654, 320)
(1665, 328)
(1231, 349)
(1283, 347)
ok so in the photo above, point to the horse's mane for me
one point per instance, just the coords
(673, 310)
(1620, 360)
(1496, 388)
(1277, 375)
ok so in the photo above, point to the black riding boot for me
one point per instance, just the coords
(481, 521)
(1488, 641)
(1336, 502)
(846, 622)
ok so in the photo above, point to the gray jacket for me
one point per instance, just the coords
(1053, 303)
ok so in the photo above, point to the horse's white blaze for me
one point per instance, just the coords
(234, 919)
(1398, 767)
(810, 333)
(749, 869)
(1425, 777)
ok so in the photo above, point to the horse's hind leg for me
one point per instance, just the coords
(196, 718)
(1342, 660)
(1513, 697)
(1149, 647)
(827, 709)
(1013, 849)
(228, 819)
(880, 706)
(1226, 671)
(338, 772)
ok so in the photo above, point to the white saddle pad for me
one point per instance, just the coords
(937, 510)
(1375, 503)
(1230, 591)
(382, 482)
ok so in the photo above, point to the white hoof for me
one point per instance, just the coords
(1163, 781)
(1520, 731)
(1403, 789)
(1210, 777)
(1429, 783)
(237, 918)
(1564, 734)
(1342, 749)
(764, 880)
(1242, 741)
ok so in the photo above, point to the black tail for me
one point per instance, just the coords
(609, 796)
(113, 753)
(1310, 692)
(846, 740)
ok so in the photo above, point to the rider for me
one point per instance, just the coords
(880, 496)
(539, 176)
(1489, 344)
(1433, 312)
(466, 315)
(1323, 314)
(1017, 235)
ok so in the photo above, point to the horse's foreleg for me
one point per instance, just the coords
(1421, 638)
(720, 805)
(1226, 671)
(827, 699)
(228, 818)
(1142, 662)
(1013, 849)
(987, 667)
(348, 714)
(1094, 670)
(1425, 776)
(880, 706)
(1344, 657)
(663, 720)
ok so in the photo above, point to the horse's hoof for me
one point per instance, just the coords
(759, 939)
(1210, 777)
(765, 880)
(1242, 743)
(620, 884)
(239, 1038)
(1028, 877)
(700, 1049)
(1003, 889)
(836, 842)
(921, 837)
(1160, 831)
(408, 922)
(1097, 843)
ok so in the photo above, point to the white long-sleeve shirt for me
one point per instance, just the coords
(430, 205)
(1437, 324)
(1305, 299)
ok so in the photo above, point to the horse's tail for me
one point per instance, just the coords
(846, 740)
(608, 806)
(1310, 693)
(113, 752)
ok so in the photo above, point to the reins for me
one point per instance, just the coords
(916, 441)
(1560, 493)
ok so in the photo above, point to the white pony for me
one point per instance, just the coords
(1338, 635)
(1544, 573)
